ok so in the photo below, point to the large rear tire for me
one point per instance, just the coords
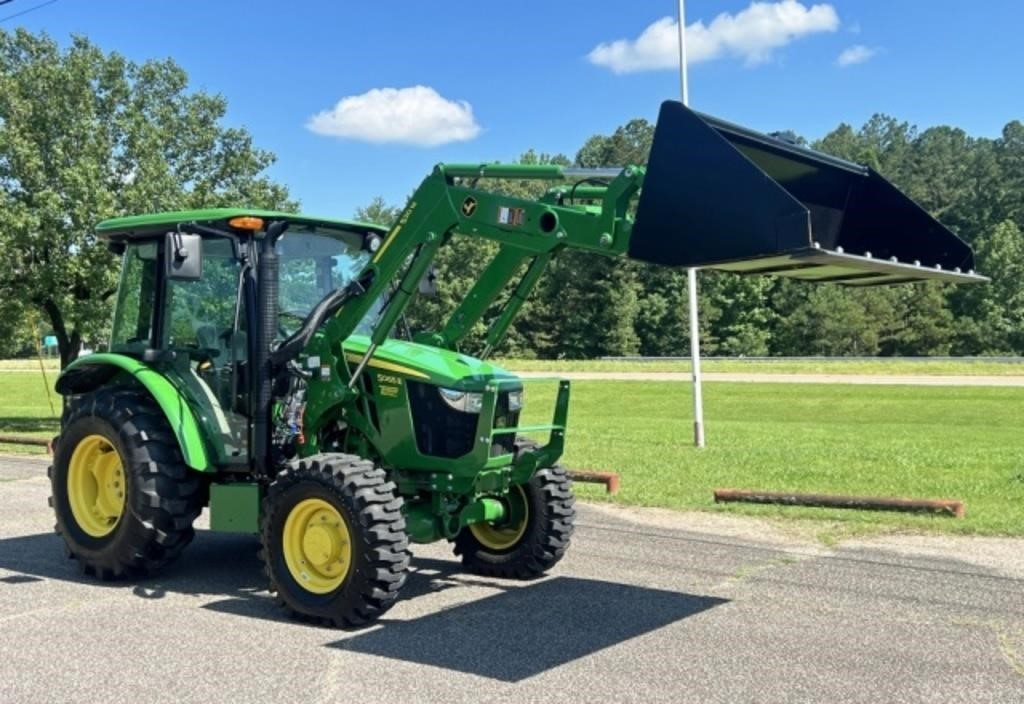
(123, 496)
(335, 546)
(534, 540)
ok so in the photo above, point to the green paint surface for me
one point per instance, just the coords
(441, 366)
(175, 407)
(131, 223)
(235, 508)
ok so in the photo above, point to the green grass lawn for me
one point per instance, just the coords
(928, 442)
(51, 364)
(25, 408)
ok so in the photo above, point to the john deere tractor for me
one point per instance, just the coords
(254, 367)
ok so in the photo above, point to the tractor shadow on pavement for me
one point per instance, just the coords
(527, 628)
(215, 564)
(524, 629)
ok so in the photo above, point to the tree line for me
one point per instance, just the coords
(87, 135)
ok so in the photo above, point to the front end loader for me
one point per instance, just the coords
(254, 366)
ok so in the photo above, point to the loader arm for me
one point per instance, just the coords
(527, 232)
(713, 195)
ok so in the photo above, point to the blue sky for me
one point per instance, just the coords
(533, 77)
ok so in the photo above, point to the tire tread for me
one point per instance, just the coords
(165, 497)
(382, 561)
(543, 545)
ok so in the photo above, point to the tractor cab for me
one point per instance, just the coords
(187, 299)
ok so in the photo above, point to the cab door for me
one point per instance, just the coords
(205, 326)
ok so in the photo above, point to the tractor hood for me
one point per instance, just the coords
(424, 363)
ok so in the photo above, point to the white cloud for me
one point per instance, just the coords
(856, 54)
(417, 115)
(751, 34)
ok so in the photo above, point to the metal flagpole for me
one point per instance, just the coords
(691, 273)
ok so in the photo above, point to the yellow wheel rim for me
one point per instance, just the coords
(317, 546)
(96, 486)
(506, 536)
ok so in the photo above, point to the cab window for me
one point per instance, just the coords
(136, 299)
(312, 265)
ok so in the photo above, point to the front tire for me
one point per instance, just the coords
(123, 497)
(534, 540)
(334, 542)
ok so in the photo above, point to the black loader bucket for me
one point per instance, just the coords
(724, 197)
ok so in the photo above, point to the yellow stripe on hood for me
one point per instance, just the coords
(387, 366)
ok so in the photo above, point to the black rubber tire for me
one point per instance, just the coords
(164, 496)
(372, 510)
(550, 522)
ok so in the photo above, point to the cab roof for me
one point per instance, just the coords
(153, 224)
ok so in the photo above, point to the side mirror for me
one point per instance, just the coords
(183, 255)
(428, 284)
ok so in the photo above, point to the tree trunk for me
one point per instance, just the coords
(67, 344)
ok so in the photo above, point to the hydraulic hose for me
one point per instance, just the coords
(328, 306)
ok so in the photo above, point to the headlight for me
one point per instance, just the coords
(515, 400)
(465, 401)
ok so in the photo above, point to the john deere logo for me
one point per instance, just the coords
(469, 206)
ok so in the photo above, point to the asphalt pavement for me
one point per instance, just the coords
(648, 606)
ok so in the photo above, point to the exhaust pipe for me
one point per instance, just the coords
(720, 196)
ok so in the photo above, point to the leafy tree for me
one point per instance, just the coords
(739, 313)
(378, 211)
(591, 302)
(87, 135)
(825, 320)
(1009, 154)
(993, 316)
(17, 336)
(913, 320)
(629, 144)
(662, 326)
(883, 143)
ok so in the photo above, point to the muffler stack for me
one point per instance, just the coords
(720, 196)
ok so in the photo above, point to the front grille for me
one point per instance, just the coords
(441, 431)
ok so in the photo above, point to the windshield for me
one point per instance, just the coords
(313, 265)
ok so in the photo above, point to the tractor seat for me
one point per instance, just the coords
(209, 337)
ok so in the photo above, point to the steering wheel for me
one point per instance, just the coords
(281, 329)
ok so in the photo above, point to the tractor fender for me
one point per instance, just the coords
(88, 373)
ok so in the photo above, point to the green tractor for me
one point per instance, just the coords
(254, 367)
